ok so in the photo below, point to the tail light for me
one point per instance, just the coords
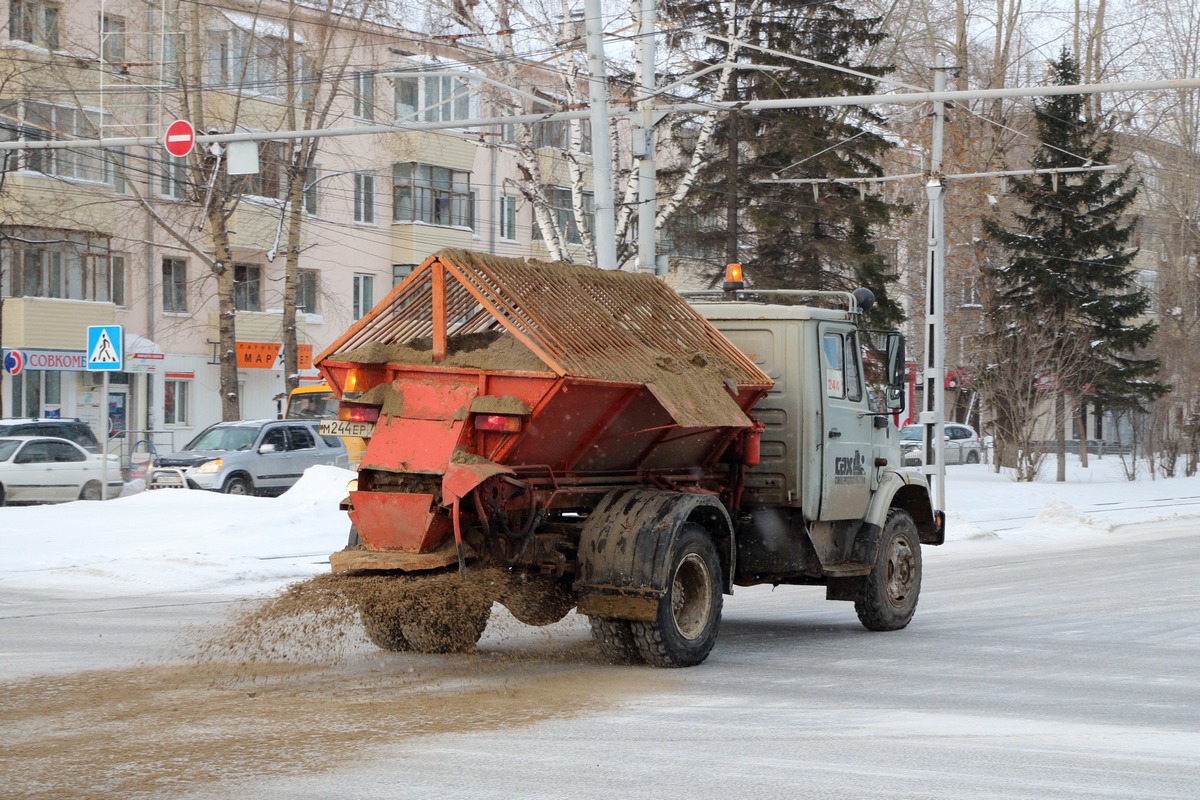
(352, 380)
(357, 412)
(498, 423)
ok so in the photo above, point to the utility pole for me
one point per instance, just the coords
(643, 144)
(933, 412)
(731, 207)
(605, 235)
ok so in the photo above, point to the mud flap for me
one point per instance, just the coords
(625, 543)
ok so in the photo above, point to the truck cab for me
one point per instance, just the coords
(829, 463)
(824, 438)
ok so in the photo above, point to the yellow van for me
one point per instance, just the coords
(317, 402)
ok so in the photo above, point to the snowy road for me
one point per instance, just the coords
(1054, 654)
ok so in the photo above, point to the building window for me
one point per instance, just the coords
(306, 290)
(556, 135)
(163, 43)
(364, 290)
(173, 178)
(400, 272)
(508, 218)
(35, 389)
(116, 164)
(270, 181)
(248, 59)
(40, 262)
(116, 271)
(44, 121)
(112, 39)
(310, 190)
(175, 402)
(364, 95)
(174, 284)
(364, 197)
(247, 287)
(435, 195)
(34, 21)
(564, 213)
(433, 98)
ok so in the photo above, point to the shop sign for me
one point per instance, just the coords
(269, 355)
(257, 355)
(49, 360)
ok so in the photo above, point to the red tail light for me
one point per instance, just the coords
(498, 423)
(355, 412)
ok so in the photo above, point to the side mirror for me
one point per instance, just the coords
(895, 399)
(267, 448)
(895, 360)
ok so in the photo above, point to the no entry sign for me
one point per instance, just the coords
(180, 138)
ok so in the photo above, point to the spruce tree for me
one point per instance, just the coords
(788, 237)
(1069, 261)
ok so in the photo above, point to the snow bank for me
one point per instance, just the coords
(177, 539)
(198, 541)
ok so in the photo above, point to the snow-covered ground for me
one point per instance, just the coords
(199, 541)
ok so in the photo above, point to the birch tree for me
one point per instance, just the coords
(509, 43)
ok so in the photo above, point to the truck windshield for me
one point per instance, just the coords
(238, 437)
(311, 405)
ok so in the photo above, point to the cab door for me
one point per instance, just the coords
(847, 454)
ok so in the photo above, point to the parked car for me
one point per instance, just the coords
(46, 469)
(263, 456)
(75, 430)
(961, 445)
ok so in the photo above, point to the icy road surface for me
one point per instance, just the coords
(1055, 654)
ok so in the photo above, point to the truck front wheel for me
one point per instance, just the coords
(689, 613)
(889, 597)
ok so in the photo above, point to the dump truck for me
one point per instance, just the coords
(595, 441)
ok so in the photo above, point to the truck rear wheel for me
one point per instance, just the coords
(889, 597)
(689, 613)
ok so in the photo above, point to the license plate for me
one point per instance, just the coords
(340, 427)
(167, 479)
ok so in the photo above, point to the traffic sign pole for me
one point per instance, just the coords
(104, 423)
(105, 353)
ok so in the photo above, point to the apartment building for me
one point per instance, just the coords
(135, 237)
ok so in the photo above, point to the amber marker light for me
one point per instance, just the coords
(733, 278)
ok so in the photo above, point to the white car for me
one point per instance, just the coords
(961, 445)
(46, 469)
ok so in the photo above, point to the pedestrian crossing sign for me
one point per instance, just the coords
(105, 348)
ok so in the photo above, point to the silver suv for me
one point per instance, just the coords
(263, 456)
